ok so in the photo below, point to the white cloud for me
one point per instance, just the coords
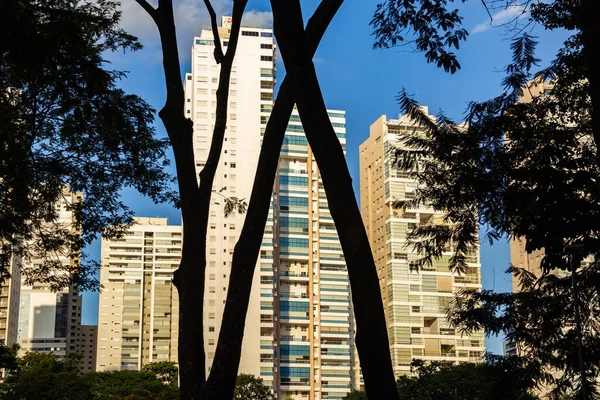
(261, 19)
(190, 17)
(501, 17)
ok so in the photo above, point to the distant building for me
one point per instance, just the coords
(48, 321)
(415, 299)
(138, 310)
(10, 291)
(88, 339)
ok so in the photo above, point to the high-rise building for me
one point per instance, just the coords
(139, 309)
(415, 299)
(250, 102)
(313, 337)
(48, 321)
(10, 292)
(88, 336)
(297, 334)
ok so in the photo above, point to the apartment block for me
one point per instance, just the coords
(313, 338)
(415, 298)
(10, 291)
(88, 336)
(250, 102)
(139, 308)
(48, 321)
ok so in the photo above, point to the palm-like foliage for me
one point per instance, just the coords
(524, 165)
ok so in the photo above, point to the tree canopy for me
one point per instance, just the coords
(45, 376)
(497, 379)
(65, 124)
(524, 165)
(249, 387)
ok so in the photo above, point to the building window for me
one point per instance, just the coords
(266, 46)
(266, 58)
(266, 34)
(249, 33)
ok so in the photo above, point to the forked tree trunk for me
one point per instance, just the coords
(221, 381)
(194, 199)
(371, 339)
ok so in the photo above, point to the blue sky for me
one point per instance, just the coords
(353, 77)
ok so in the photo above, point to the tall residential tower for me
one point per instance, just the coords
(138, 308)
(313, 338)
(250, 102)
(415, 299)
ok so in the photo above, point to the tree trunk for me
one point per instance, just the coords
(371, 339)
(194, 199)
(590, 35)
(189, 278)
(221, 381)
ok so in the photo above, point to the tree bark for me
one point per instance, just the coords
(589, 23)
(371, 339)
(222, 377)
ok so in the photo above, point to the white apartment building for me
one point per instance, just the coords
(250, 102)
(138, 310)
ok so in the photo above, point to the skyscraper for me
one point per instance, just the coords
(313, 339)
(414, 299)
(297, 334)
(250, 102)
(138, 308)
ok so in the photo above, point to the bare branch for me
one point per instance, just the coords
(215, 29)
(149, 9)
(488, 11)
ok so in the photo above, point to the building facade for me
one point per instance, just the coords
(415, 299)
(138, 310)
(250, 103)
(87, 336)
(10, 292)
(48, 320)
(313, 338)
(297, 334)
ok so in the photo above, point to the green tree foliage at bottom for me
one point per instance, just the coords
(44, 376)
(248, 387)
(498, 379)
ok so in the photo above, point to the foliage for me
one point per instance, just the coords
(248, 387)
(44, 376)
(436, 29)
(8, 357)
(524, 165)
(66, 124)
(497, 379)
(356, 395)
(166, 371)
(129, 384)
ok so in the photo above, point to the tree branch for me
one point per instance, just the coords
(215, 30)
(149, 9)
(221, 380)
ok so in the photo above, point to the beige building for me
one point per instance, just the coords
(138, 308)
(87, 337)
(9, 303)
(415, 299)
